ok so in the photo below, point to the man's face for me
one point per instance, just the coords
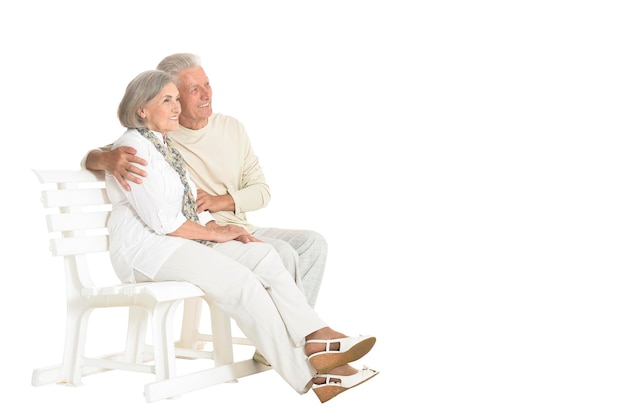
(195, 97)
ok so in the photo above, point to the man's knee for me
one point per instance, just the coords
(320, 242)
(316, 246)
(287, 254)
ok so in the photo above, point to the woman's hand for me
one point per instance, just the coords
(248, 239)
(230, 232)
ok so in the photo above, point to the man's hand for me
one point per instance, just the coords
(213, 203)
(119, 163)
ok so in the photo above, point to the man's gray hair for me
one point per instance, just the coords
(175, 63)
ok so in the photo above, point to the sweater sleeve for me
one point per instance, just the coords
(83, 163)
(254, 192)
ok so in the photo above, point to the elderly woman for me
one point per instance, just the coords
(157, 234)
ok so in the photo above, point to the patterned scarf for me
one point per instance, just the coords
(176, 161)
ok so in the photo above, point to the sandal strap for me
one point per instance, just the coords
(325, 342)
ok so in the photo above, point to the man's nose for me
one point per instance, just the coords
(206, 90)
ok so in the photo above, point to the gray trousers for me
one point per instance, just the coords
(304, 254)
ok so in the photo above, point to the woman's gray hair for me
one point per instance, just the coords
(175, 63)
(139, 92)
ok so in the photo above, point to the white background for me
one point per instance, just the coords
(465, 161)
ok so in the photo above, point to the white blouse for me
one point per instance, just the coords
(141, 218)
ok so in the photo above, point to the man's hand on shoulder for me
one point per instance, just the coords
(120, 162)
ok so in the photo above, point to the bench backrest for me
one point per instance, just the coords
(78, 209)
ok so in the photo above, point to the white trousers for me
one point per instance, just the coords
(250, 283)
(304, 255)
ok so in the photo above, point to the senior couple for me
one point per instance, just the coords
(181, 179)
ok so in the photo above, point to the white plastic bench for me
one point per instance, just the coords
(77, 209)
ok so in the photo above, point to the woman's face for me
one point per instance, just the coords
(161, 113)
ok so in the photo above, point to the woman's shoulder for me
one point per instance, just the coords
(131, 137)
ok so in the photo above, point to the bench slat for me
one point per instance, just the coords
(63, 222)
(79, 245)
